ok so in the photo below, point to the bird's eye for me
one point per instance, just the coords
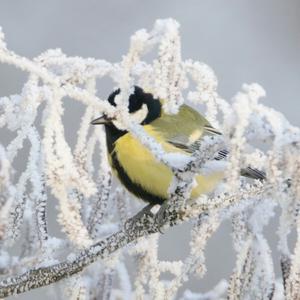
(140, 115)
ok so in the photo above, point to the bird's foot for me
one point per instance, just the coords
(168, 214)
(146, 211)
(160, 216)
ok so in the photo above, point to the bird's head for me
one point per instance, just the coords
(142, 106)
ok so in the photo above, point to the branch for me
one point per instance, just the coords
(133, 229)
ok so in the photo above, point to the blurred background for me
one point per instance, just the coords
(243, 41)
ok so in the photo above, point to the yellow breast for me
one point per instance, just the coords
(144, 169)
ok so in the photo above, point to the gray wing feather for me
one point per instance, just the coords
(247, 172)
(222, 154)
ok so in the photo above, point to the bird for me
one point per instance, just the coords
(136, 167)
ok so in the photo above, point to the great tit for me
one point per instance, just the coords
(134, 164)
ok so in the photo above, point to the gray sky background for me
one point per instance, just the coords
(243, 41)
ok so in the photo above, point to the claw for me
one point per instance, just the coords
(146, 211)
(160, 217)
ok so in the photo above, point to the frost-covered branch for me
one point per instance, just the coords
(134, 229)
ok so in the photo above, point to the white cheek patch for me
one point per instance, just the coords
(119, 125)
(140, 115)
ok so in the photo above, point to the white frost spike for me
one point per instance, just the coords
(2, 41)
(206, 88)
(169, 75)
(4, 170)
(7, 192)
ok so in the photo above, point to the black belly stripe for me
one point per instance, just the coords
(133, 187)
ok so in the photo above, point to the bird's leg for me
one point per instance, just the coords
(146, 211)
(160, 219)
(168, 212)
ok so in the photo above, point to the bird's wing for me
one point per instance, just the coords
(221, 155)
(185, 131)
(184, 128)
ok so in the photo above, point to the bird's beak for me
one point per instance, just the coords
(101, 120)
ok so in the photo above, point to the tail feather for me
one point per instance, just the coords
(247, 172)
(222, 154)
(253, 173)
